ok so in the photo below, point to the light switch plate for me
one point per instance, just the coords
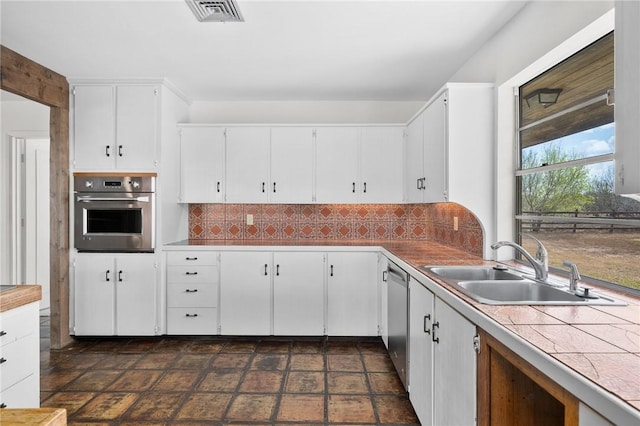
(249, 219)
(455, 223)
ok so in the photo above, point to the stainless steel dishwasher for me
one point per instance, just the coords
(397, 299)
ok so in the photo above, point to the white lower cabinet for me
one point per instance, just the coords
(192, 292)
(115, 295)
(298, 294)
(245, 293)
(19, 357)
(442, 360)
(352, 294)
(421, 305)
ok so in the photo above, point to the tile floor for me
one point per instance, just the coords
(219, 380)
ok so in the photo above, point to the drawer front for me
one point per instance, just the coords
(24, 394)
(18, 323)
(191, 258)
(192, 274)
(192, 321)
(18, 360)
(192, 295)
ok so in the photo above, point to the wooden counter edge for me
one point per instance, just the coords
(21, 295)
(33, 416)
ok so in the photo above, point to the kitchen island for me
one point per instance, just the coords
(20, 347)
(593, 352)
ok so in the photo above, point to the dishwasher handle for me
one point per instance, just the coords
(398, 275)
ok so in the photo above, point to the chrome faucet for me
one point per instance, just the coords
(540, 263)
(574, 275)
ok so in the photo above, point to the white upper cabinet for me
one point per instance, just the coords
(291, 165)
(381, 164)
(414, 161)
(627, 109)
(356, 164)
(202, 164)
(269, 165)
(336, 164)
(247, 164)
(449, 148)
(115, 127)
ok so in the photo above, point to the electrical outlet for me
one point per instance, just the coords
(249, 219)
(455, 223)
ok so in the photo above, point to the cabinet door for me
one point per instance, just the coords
(136, 300)
(201, 164)
(414, 159)
(291, 165)
(336, 164)
(94, 295)
(455, 368)
(94, 127)
(421, 351)
(381, 165)
(298, 294)
(247, 164)
(352, 303)
(435, 160)
(137, 110)
(245, 293)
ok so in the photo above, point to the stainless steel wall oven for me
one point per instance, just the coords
(114, 213)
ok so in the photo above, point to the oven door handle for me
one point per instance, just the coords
(88, 199)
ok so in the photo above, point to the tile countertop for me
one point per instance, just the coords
(601, 343)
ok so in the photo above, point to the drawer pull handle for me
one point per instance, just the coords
(191, 291)
(120, 276)
(106, 275)
(3, 360)
(191, 273)
(426, 328)
(191, 258)
(191, 315)
(3, 333)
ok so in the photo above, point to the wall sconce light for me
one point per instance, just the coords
(544, 97)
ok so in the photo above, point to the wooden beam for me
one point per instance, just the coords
(33, 81)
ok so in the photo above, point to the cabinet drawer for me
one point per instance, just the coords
(192, 258)
(24, 394)
(18, 323)
(192, 321)
(187, 295)
(19, 360)
(192, 274)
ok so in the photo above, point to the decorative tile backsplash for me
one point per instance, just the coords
(338, 222)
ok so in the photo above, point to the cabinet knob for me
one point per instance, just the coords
(3, 360)
(3, 333)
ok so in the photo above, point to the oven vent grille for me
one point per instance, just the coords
(215, 11)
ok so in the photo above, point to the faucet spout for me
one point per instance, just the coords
(539, 262)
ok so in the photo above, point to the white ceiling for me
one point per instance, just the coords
(285, 50)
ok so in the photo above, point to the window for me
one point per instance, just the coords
(565, 176)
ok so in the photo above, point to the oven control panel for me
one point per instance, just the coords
(114, 184)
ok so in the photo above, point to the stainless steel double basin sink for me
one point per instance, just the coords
(501, 286)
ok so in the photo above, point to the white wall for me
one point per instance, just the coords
(18, 117)
(300, 112)
(541, 35)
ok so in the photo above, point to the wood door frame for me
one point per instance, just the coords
(24, 77)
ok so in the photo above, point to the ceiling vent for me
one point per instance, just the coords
(215, 11)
